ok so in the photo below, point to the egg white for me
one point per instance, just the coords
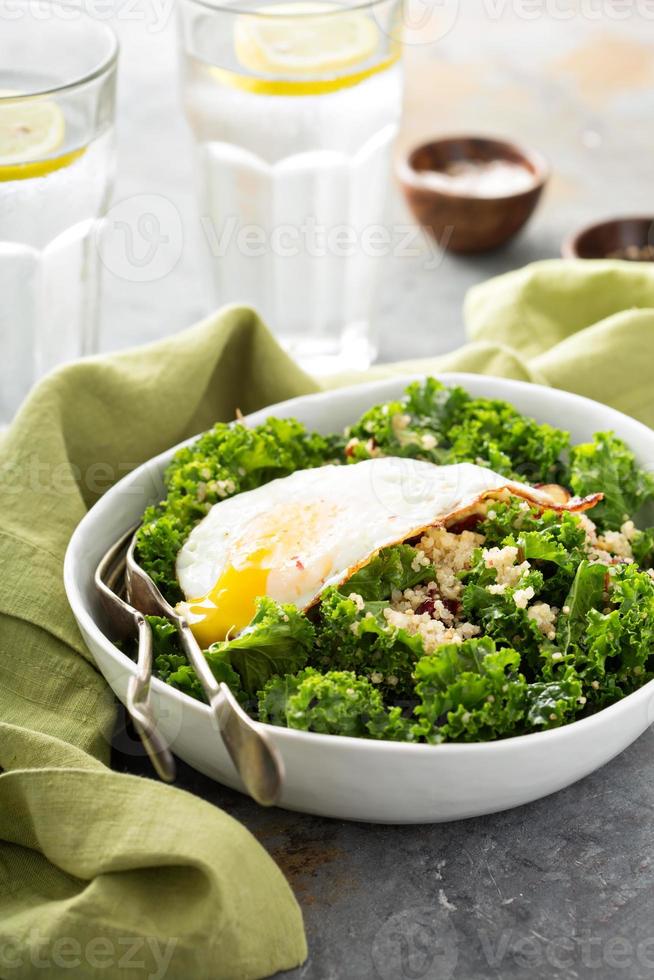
(293, 537)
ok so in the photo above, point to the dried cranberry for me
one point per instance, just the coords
(452, 605)
(468, 523)
(426, 606)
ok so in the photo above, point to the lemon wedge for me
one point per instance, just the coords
(304, 38)
(31, 132)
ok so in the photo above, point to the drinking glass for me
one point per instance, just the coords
(57, 82)
(294, 107)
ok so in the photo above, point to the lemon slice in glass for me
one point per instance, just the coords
(304, 38)
(31, 132)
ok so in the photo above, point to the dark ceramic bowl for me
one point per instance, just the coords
(464, 221)
(619, 238)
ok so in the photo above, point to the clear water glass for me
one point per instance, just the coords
(295, 108)
(57, 95)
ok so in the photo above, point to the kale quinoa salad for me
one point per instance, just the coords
(524, 602)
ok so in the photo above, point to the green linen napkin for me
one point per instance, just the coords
(585, 326)
(103, 874)
(108, 875)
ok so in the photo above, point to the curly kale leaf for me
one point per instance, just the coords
(278, 640)
(486, 430)
(496, 435)
(498, 614)
(542, 546)
(469, 691)
(642, 546)
(171, 665)
(361, 639)
(224, 461)
(164, 530)
(506, 519)
(597, 653)
(436, 403)
(248, 456)
(393, 568)
(608, 633)
(555, 552)
(415, 425)
(586, 593)
(607, 464)
(631, 592)
(553, 543)
(273, 698)
(580, 647)
(335, 703)
(553, 703)
(474, 692)
(447, 425)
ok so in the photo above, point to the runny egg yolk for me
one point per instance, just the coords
(269, 557)
(231, 603)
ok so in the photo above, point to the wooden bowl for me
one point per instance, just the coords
(619, 238)
(463, 221)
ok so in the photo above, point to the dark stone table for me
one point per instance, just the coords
(561, 888)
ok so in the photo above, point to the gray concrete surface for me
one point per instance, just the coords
(563, 888)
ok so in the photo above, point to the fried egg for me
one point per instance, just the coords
(293, 537)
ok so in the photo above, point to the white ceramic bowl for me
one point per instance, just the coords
(358, 779)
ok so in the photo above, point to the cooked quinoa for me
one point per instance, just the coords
(433, 611)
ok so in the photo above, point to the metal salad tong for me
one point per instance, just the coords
(255, 758)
